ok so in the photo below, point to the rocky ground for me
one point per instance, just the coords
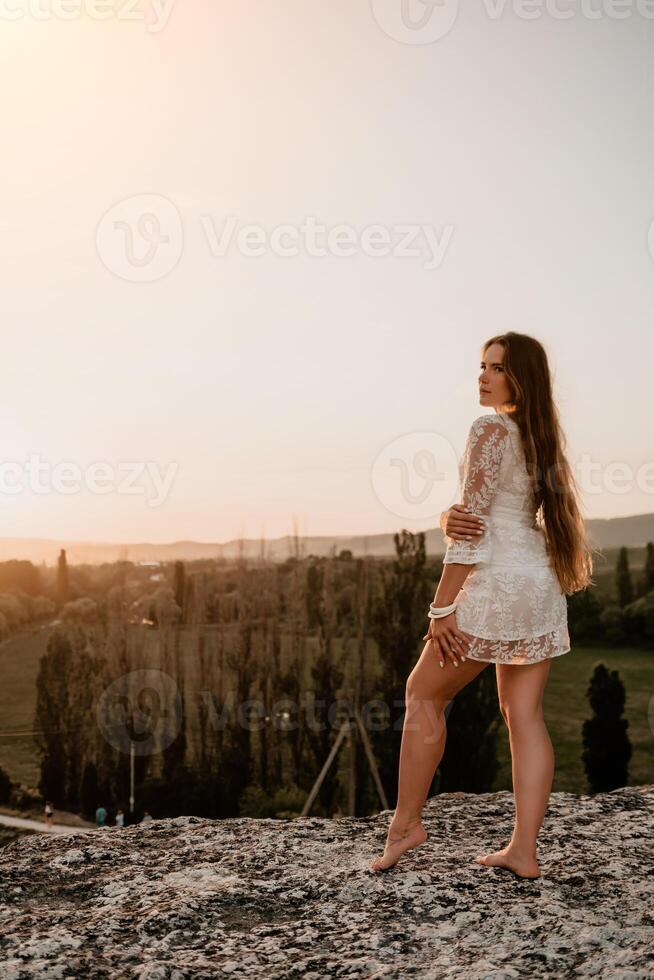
(261, 898)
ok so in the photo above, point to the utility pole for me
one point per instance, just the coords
(131, 776)
(354, 728)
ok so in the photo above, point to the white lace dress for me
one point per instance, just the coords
(511, 602)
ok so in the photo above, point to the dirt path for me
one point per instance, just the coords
(40, 825)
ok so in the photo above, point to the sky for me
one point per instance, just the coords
(251, 252)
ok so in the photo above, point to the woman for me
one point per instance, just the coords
(509, 575)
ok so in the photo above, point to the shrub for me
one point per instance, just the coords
(13, 610)
(607, 748)
(83, 610)
(612, 620)
(5, 787)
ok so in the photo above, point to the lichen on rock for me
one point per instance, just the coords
(198, 898)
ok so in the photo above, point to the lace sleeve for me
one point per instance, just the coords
(485, 446)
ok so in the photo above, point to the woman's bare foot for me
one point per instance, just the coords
(398, 841)
(521, 866)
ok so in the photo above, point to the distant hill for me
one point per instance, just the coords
(605, 533)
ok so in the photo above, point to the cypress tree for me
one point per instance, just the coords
(607, 748)
(62, 577)
(180, 587)
(624, 585)
(649, 567)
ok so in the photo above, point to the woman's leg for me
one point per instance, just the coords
(520, 688)
(429, 689)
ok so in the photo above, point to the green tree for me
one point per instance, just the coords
(639, 620)
(400, 613)
(649, 567)
(179, 588)
(62, 577)
(612, 620)
(623, 583)
(607, 748)
(5, 787)
(23, 575)
(66, 688)
(327, 676)
(584, 612)
(89, 790)
(470, 761)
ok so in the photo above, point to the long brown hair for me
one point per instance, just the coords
(555, 489)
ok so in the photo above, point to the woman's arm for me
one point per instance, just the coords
(459, 524)
(449, 641)
(485, 446)
(449, 585)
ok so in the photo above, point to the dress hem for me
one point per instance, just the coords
(515, 661)
(557, 627)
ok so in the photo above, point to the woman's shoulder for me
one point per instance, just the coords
(489, 424)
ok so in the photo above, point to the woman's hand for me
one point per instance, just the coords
(448, 639)
(460, 524)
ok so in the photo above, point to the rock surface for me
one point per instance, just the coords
(200, 898)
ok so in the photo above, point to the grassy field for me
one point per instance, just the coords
(566, 707)
(19, 666)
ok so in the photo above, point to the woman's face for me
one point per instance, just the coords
(493, 386)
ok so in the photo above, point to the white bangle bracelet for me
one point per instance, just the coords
(437, 609)
(437, 613)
